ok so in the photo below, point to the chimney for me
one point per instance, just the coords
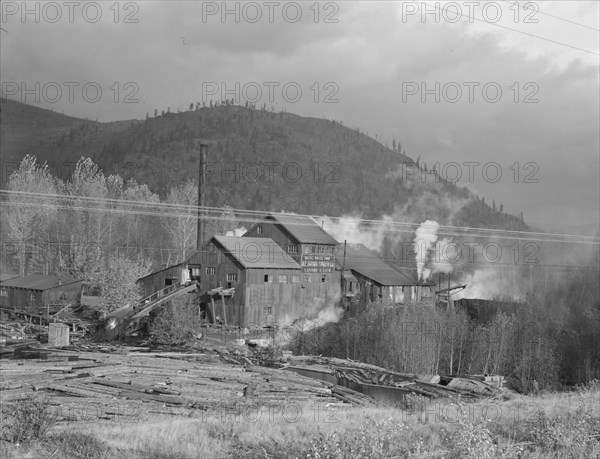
(201, 196)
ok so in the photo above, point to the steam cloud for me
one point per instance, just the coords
(425, 239)
(238, 232)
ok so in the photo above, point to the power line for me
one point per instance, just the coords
(556, 17)
(254, 216)
(518, 31)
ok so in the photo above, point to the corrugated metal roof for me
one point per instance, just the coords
(367, 263)
(257, 252)
(304, 229)
(39, 282)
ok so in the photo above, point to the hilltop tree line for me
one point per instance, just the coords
(331, 169)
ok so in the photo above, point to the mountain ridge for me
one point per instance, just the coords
(258, 159)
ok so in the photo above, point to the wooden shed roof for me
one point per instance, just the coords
(302, 228)
(367, 263)
(39, 282)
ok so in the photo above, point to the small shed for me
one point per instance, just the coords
(162, 278)
(58, 334)
(36, 292)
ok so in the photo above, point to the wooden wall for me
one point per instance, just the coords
(158, 280)
(36, 300)
(281, 237)
(288, 300)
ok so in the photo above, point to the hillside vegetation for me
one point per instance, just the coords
(257, 160)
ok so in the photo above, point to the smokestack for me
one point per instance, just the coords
(201, 196)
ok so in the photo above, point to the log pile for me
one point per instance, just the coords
(101, 382)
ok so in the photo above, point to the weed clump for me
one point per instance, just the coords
(26, 421)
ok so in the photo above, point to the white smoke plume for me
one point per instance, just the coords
(349, 228)
(445, 255)
(322, 312)
(425, 238)
(238, 232)
(488, 284)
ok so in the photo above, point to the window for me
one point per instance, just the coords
(231, 277)
(268, 278)
(32, 297)
(268, 310)
(259, 229)
(307, 279)
(210, 270)
(324, 278)
(4, 292)
(292, 248)
(350, 287)
(283, 279)
(295, 278)
(310, 249)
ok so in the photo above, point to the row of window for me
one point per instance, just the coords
(231, 277)
(312, 249)
(283, 278)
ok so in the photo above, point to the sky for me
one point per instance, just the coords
(504, 95)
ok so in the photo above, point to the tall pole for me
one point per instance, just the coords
(201, 196)
(343, 279)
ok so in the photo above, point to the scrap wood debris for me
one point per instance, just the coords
(419, 384)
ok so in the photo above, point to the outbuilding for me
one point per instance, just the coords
(37, 292)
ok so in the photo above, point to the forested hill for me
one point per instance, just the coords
(257, 160)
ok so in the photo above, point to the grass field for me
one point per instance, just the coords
(556, 425)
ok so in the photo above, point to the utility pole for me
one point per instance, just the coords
(343, 270)
(201, 196)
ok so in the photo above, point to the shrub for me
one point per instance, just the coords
(473, 440)
(26, 420)
(373, 439)
(559, 433)
(79, 445)
(177, 322)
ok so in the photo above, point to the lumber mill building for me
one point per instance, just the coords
(253, 281)
(284, 268)
(37, 292)
(367, 278)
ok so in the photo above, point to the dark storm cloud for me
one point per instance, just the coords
(172, 52)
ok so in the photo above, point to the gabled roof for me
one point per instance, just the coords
(303, 229)
(256, 252)
(39, 282)
(162, 269)
(369, 264)
(7, 276)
